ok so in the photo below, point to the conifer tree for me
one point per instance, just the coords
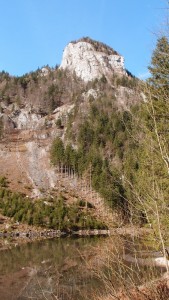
(159, 68)
(159, 97)
(147, 178)
(57, 152)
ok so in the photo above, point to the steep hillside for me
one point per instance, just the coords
(86, 110)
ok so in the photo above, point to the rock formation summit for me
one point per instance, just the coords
(90, 59)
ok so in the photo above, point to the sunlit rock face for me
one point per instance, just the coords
(90, 63)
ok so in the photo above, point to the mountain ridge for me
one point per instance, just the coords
(49, 104)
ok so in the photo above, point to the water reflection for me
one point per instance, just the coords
(69, 268)
(61, 267)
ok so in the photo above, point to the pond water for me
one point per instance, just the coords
(70, 268)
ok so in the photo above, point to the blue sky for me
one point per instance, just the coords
(33, 33)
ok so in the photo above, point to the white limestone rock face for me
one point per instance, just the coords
(44, 72)
(90, 93)
(89, 64)
(27, 120)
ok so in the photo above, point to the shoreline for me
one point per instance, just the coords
(9, 239)
(54, 233)
(16, 238)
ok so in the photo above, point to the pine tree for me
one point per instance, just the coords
(159, 69)
(147, 163)
(57, 152)
(159, 96)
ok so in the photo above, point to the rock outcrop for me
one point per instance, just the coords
(90, 62)
(34, 110)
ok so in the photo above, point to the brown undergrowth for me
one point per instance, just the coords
(155, 290)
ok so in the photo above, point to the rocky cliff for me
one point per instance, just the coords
(89, 61)
(48, 103)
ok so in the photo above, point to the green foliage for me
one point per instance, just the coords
(103, 131)
(70, 157)
(160, 65)
(86, 136)
(53, 96)
(3, 181)
(56, 214)
(4, 76)
(58, 123)
(124, 154)
(57, 152)
(23, 81)
(34, 76)
(146, 168)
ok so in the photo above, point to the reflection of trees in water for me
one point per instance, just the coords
(72, 268)
(69, 273)
(50, 284)
(123, 271)
(60, 266)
